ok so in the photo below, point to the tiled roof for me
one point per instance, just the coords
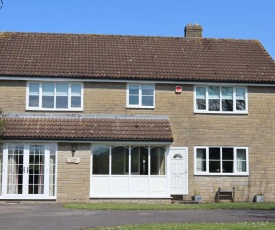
(134, 57)
(89, 129)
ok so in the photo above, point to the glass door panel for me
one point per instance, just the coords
(15, 169)
(36, 169)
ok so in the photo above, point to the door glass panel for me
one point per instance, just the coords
(36, 169)
(15, 169)
(1, 168)
(52, 171)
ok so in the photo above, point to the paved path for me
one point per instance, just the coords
(55, 217)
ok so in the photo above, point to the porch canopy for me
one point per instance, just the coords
(87, 128)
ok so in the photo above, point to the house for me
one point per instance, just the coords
(107, 117)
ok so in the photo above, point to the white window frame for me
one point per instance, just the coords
(49, 149)
(221, 112)
(128, 105)
(54, 109)
(128, 171)
(206, 172)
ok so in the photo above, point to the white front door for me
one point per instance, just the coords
(179, 171)
(26, 171)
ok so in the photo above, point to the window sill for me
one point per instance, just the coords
(221, 113)
(52, 110)
(140, 107)
(222, 174)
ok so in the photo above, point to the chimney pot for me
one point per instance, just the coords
(193, 31)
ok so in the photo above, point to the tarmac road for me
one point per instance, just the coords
(55, 217)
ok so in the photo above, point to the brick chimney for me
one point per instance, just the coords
(193, 31)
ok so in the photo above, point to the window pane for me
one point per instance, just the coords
(227, 167)
(214, 160)
(227, 105)
(1, 168)
(34, 89)
(227, 99)
(33, 94)
(214, 105)
(47, 95)
(240, 93)
(214, 98)
(47, 102)
(133, 100)
(241, 160)
(139, 161)
(101, 160)
(201, 104)
(76, 89)
(227, 93)
(147, 101)
(201, 160)
(75, 102)
(61, 102)
(52, 171)
(48, 89)
(214, 92)
(228, 160)
(134, 89)
(133, 94)
(157, 161)
(201, 92)
(61, 89)
(240, 105)
(120, 161)
(33, 101)
(147, 90)
(227, 154)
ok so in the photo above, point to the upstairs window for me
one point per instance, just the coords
(54, 96)
(140, 96)
(221, 160)
(220, 99)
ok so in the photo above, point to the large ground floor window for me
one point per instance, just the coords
(129, 171)
(221, 160)
(125, 160)
(27, 170)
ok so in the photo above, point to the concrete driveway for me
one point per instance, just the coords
(54, 216)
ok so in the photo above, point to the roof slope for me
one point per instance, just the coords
(89, 129)
(134, 57)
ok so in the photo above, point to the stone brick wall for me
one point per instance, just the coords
(73, 180)
(255, 130)
(13, 96)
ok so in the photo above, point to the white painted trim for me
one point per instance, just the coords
(206, 111)
(186, 166)
(207, 173)
(176, 82)
(139, 106)
(25, 195)
(39, 108)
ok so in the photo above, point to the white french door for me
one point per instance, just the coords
(27, 171)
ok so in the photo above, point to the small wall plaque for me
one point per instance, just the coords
(73, 160)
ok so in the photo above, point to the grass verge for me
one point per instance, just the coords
(203, 206)
(195, 226)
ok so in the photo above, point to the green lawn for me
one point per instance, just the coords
(203, 206)
(194, 226)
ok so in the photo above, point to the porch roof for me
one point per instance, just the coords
(88, 128)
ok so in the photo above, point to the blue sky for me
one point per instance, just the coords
(239, 19)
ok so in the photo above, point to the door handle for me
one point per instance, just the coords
(23, 169)
(27, 169)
